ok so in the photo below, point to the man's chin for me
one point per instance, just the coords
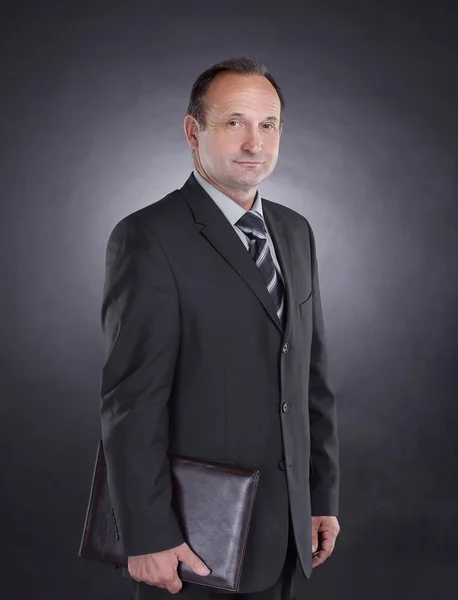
(250, 178)
(248, 182)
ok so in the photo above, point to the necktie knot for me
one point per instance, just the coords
(252, 225)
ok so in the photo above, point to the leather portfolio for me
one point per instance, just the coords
(213, 501)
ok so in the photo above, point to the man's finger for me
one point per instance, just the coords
(319, 558)
(327, 544)
(314, 538)
(328, 541)
(175, 585)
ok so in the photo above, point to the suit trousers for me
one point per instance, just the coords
(281, 590)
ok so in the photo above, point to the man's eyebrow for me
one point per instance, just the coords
(239, 114)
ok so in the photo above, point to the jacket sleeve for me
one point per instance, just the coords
(324, 443)
(141, 324)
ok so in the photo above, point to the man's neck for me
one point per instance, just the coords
(244, 198)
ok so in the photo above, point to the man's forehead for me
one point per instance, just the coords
(269, 112)
(246, 115)
(245, 107)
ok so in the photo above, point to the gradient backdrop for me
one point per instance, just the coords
(94, 97)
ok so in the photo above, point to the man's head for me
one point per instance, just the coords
(235, 114)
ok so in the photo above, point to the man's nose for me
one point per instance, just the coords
(252, 142)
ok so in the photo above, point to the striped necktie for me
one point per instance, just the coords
(253, 227)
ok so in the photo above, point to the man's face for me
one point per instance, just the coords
(242, 124)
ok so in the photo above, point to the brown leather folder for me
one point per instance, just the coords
(213, 501)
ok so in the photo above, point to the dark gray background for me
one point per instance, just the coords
(94, 96)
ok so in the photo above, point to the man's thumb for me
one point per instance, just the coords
(193, 561)
(314, 543)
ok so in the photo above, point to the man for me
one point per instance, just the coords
(216, 350)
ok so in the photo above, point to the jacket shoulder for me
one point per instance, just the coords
(155, 216)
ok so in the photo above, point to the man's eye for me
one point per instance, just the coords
(232, 122)
(271, 125)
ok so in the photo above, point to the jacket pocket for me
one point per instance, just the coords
(304, 307)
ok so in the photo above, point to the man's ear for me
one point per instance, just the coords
(191, 130)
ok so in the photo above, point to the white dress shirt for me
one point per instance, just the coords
(233, 211)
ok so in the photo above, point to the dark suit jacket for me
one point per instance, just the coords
(197, 364)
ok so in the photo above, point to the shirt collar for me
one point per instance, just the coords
(231, 209)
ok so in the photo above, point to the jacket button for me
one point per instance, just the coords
(281, 465)
(285, 407)
(285, 348)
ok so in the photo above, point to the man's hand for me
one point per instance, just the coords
(160, 568)
(328, 528)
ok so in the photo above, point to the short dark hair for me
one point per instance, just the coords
(244, 66)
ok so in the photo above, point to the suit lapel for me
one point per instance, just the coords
(214, 226)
